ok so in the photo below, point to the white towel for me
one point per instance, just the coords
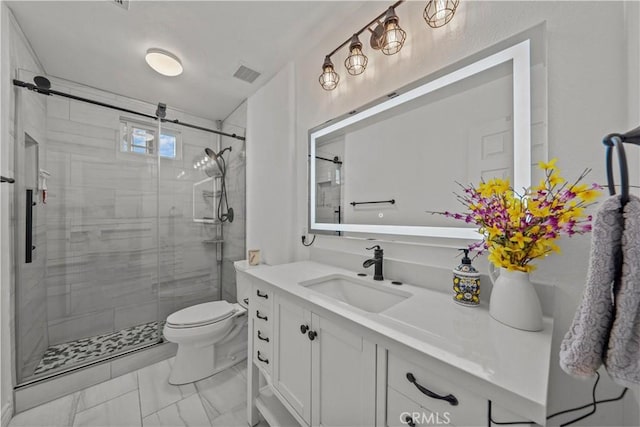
(622, 358)
(582, 350)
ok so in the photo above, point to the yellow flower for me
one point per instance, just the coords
(555, 179)
(520, 239)
(589, 195)
(551, 164)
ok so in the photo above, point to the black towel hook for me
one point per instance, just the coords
(616, 140)
(616, 143)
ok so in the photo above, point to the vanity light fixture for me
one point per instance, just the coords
(356, 62)
(386, 36)
(163, 62)
(439, 12)
(393, 36)
(329, 78)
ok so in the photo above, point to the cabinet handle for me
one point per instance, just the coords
(260, 337)
(259, 316)
(304, 329)
(409, 421)
(265, 296)
(453, 401)
(312, 335)
(261, 359)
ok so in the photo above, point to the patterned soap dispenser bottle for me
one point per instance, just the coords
(466, 282)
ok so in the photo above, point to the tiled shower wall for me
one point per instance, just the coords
(102, 222)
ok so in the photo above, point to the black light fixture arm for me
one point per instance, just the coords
(366, 27)
(161, 111)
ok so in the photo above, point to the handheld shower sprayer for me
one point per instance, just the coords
(222, 165)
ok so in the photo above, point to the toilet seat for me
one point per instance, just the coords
(201, 315)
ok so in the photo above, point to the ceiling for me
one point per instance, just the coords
(102, 45)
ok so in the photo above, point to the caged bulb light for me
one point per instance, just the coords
(439, 12)
(356, 62)
(329, 78)
(393, 36)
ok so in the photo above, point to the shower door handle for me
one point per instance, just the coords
(28, 238)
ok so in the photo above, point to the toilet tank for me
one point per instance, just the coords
(243, 281)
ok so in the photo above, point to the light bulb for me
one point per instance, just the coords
(393, 36)
(356, 62)
(439, 12)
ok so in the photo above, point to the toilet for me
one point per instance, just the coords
(211, 336)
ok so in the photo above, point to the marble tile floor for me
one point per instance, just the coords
(74, 352)
(145, 398)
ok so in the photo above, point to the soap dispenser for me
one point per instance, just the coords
(466, 282)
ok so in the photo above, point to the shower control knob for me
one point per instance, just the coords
(304, 329)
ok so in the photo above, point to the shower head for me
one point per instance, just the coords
(213, 155)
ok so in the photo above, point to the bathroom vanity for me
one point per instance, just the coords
(328, 347)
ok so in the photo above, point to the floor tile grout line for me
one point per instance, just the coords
(108, 400)
(139, 395)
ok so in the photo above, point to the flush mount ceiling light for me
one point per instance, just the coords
(386, 36)
(163, 62)
(440, 12)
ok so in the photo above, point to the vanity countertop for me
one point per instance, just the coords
(431, 323)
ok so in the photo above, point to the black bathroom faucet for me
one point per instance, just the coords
(377, 260)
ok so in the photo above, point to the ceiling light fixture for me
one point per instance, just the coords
(163, 62)
(440, 12)
(386, 36)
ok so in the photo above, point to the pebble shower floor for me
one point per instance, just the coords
(73, 352)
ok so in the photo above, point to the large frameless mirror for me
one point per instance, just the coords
(381, 169)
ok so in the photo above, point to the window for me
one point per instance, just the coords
(140, 138)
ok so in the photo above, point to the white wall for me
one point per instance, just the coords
(270, 169)
(587, 98)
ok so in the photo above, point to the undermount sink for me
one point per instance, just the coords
(361, 293)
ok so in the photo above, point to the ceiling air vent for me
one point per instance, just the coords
(122, 3)
(246, 74)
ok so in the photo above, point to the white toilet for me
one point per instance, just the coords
(210, 336)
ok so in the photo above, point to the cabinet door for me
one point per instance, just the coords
(292, 356)
(343, 376)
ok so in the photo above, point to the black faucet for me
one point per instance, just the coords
(377, 260)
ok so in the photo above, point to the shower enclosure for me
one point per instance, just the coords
(116, 224)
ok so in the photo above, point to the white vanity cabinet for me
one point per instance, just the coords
(324, 371)
(325, 364)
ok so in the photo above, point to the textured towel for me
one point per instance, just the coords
(622, 359)
(582, 350)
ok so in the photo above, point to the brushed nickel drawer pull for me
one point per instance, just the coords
(453, 401)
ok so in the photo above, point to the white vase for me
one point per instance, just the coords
(514, 301)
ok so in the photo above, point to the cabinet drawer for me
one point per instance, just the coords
(404, 412)
(469, 410)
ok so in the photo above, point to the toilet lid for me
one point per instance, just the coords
(201, 314)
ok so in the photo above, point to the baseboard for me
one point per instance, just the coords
(7, 414)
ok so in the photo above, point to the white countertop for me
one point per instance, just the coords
(432, 323)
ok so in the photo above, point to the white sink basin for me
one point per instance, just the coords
(364, 294)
